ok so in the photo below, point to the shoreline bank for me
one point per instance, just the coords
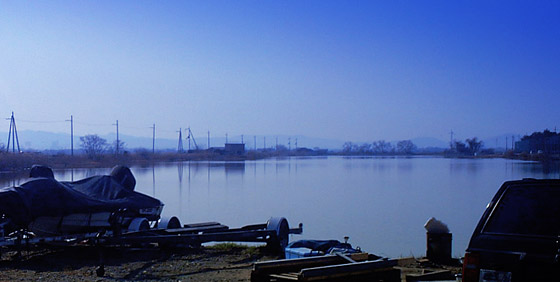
(21, 162)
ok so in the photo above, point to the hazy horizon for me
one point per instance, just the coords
(44, 140)
(345, 70)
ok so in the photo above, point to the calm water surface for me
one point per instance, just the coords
(380, 203)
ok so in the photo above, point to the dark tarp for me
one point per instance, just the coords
(44, 196)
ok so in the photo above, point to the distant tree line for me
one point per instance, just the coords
(546, 142)
(471, 147)
(380, 147)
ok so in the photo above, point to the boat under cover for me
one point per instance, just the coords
(44, 199)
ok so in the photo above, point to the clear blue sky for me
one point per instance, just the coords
(351, 70)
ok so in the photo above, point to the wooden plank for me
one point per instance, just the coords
(285, 276)
(359, 256)
(300, 263)
(431, 276)
(406, 261)
(346, 269)
(345, 257)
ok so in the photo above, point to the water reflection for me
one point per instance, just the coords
(380, 202)
(339, 196)
(153, 180)
(234, 168)
(180, 172)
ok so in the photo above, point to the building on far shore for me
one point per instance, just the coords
(234, 148)
(229, 149)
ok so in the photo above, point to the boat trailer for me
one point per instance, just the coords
(168, 234)
(275, 233)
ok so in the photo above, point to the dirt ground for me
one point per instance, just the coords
(231, 263)
(222, 262)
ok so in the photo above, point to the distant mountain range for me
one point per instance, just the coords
(42, 140)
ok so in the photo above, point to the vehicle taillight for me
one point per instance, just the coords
(471, 267)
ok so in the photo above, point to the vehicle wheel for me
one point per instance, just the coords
(280, 225)
(169, 223)
(138, 224)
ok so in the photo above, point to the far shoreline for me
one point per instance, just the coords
(11, 163)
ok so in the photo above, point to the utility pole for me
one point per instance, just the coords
(289, 143)
(208, 139)
(226, 139)
(189, 137)
(154, 139)
(13, 133)
(276, 143)
(117, 147)
(255, 141)
(264, 143)
(241, 138)
(71, 120)
(296, 144)
(451, 139)
(180, 145)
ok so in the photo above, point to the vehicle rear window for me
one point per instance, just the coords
(527, 210)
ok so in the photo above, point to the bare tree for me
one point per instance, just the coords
(347, 147)
(474, 145)
(405, 147)
(113, 149)
(460, 147)
(381, 147)
(93, 145)
(365, 149)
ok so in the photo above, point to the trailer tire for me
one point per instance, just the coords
(169, 223)
(138, 224)
(282, 229)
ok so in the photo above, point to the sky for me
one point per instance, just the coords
(347, 70)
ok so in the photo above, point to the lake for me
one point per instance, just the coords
(381, 203)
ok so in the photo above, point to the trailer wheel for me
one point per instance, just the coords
(282, 229)
(169, 223)
(138, 224)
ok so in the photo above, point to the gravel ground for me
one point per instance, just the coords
(218, 263)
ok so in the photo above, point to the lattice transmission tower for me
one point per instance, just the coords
(13, 136)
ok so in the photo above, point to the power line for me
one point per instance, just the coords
(94, 124)
(42, 121)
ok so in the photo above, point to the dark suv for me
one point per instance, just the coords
(517, 238)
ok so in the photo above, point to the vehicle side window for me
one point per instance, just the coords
(527, 210)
